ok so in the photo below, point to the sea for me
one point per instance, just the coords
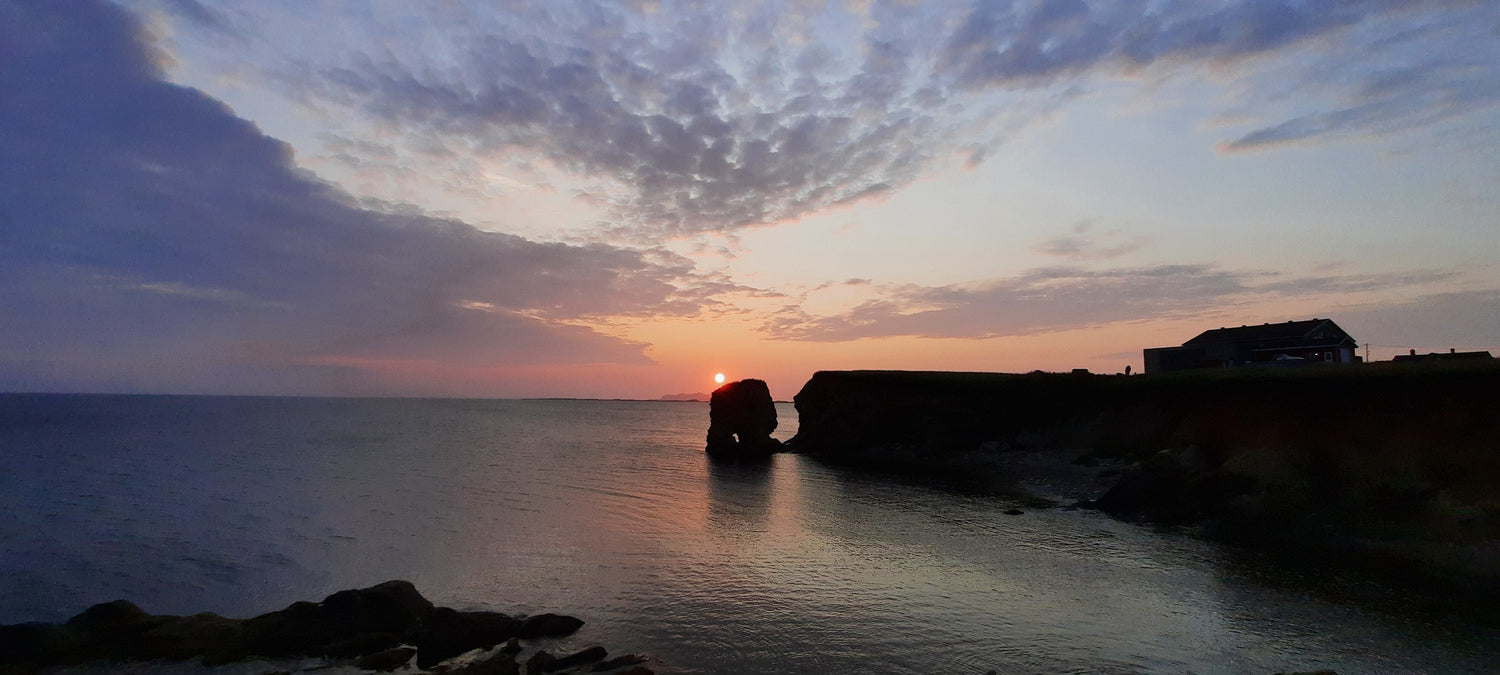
(611, 511)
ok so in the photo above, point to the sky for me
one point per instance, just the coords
(619, 200)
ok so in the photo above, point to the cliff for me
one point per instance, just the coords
(1400, 461)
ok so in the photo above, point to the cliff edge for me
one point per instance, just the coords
(1401, 464)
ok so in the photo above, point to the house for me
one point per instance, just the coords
(1294, 343)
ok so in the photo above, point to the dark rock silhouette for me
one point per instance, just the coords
(741, 417)
(446, 633)
(387, 660)
(502, 663)
(1176, 487)
(365, 625)
(548, 625)
(619, 662)
(1389, 467)
(544, 662)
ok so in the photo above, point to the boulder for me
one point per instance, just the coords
(392, 606)
(107, 616)
(385, 661)
(296, 629)
(1175, 487)
(446, 633)
(578, 658)
(741, 417)
(180, 638)
(619, 662)
(498, 664)
(348, 623)
(370, 627)
(111, 630)
(540, 662)
(548, 626)
(34, 643)
(362, 644)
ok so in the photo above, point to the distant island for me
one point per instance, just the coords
(696, 396)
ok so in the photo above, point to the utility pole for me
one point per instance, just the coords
(1367, 352)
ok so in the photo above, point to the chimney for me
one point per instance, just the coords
(1451, 350)
(1413, 352)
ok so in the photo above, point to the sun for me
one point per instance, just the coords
(719, 378)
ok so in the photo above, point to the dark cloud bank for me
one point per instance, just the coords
(713, 119)
(151, 240)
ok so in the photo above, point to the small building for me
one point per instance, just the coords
(1294, 343)
(1451, 355)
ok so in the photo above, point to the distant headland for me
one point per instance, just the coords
(695, 396)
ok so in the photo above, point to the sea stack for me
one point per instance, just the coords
(741, 417)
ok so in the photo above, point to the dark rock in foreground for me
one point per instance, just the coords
(387, 660)
(619, 662)
(369, 626)
(544, 662)
(446, 633)
(741, 417)
(547, 626)
(502, 663)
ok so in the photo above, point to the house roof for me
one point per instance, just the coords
(1274, 333)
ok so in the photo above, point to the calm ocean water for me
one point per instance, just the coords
(611, 511)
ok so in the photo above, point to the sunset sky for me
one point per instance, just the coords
(623, 199)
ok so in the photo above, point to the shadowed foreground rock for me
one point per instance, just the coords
(741, 417)
(377, 628)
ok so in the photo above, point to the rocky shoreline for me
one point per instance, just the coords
(382, 628)
(1395, 469)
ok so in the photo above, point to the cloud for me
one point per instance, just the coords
(697, 118)
(1397, 99)
(1081, 245)
(149, 232)
(1060, 298)
(692, 145)
(1354, 283)
(1422, 65)
(1382, 66)
(1466, 320)
(1019, 44)
(202, 16)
